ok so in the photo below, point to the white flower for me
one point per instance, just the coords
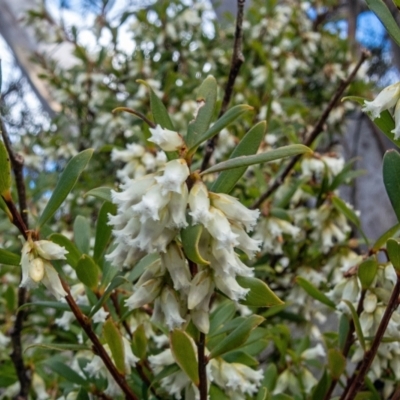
(199, 203)
(169, 305)
(313, 352)
(175, 174)
(65, 321)
(174, 261)
(385, 100)
(166, 139)
(100, 316)
(37, 268)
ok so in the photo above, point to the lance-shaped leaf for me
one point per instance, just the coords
(367, 271)
(231, 115)
(114, 340)
(59, 346)
(88, 272)
(260, 295)
(103, 230)
(385, 123)
(356, 321)
(9, 258)
(248, 145)
(344, 328)
(206, 99)
(393, 250)
(5, 173)
(314, 292)
(66, 372)
(102, 193)
(383, 13)
(54, 304)
(65, 184)
(184, 352)
(139, 342)
(82, 234)
(160, 113)
(391, 179)
(73, 254)
(245, 161)
(4, 207)
(190, 240)
(390, 233)
(237, 337)
(321, 388)
(336, 363)
(221, 315)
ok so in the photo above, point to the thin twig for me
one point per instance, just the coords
(202, 360)
(360, 373)
(318, 128)
(236, 63)
(99, 349)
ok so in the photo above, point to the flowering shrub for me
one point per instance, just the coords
(201, 250)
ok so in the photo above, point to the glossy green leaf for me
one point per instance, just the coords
(59, 346)
(190, 240)
(356, 322)
(383, 13)
(9, 258)
(336, 363)
(184, 352)
(344, 327)
(103, 230)
(262, 393)
(241, 357)
(65, 184)
(248, 145)
(113, 337)
(270, 377)
(82, 234)
(367, 271)
(385, 123)
(82, 395)
(66, 372)
(393, 250)
(260, 295)
(5, 172)
(160, 113)
(231, 115)
(139, 342)
(139, 268)
(314, 292)
(73, 254)
(272, 155)
(237, 337)
(88, 272)
(391, 179)
(321, 388)
(116, 282)
(390, 233)
(344, 209)
(206, 100)
(102, 193)
(222, 314)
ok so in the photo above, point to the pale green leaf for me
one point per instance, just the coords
(314, 292)
(9, 258)
(102, 193)
(88, 272)
(391, 179)
(82, 234)
(260, 295)
(103, 230)
(114, 340)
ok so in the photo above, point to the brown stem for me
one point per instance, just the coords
(318, 128)
(99, 349)
(202, 360)
(370, 354)
(236, 63)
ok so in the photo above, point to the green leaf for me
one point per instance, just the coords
(391, 179)
(393, 250)
(82, 395)
(59, 346)
(272, 155)
(184, 352)
(314, 292)
(139, 268)
(231, 115)
(102, 193)
(336, 363)
(4, 207)
(206, 99)
(222, 314)
(82, 234)
(367, 271)
(344, 209)
(117, 281)
(66, 182)
(381, 241)
(237, 337)
(103, 230)
(73, 254)
(9, 258)
(160, 113)
(383, 13)
(113, 338)
(321, 388)
(260, 295)
(270, 377)
(66, 372)
(53, 304)
(5, 172)
(139, 342)
(356, 322)
(190, 240)
(344, 327)
(248, 145)
(241, 357)
(385, 123)
(356, 99)
(88, 272)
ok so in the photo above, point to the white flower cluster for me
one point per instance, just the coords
(387, 99)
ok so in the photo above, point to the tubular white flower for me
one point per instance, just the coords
(166, 139)
(49, 250)
(100, 316)
(200, 287)
(386, 99)
(177, 209)
(199, 203)
(228, 285)
(171, 309)
(145, 294)
(245, 242)
(175, 262)
(220, 229)
(175, 174)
